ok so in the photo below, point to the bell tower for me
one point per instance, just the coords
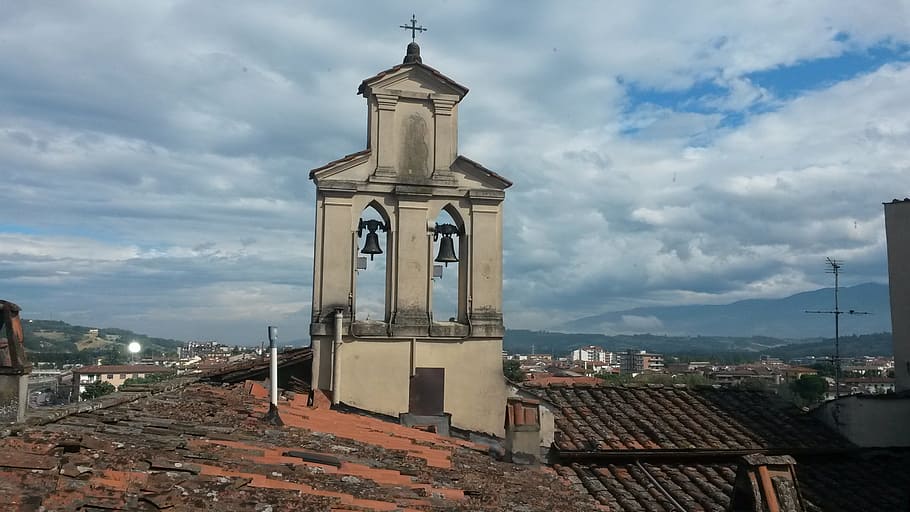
(405, 361)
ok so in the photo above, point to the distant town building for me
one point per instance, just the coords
(739, 375)
(114, 374)
(793, 373)
(593, 354)
(203, 350)
(637, 361)
(869, 386)
(770, 361)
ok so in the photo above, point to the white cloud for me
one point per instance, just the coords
(156, 154)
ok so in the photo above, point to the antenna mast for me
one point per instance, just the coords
(834, 268)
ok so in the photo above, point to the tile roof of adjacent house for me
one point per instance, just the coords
(256, 369)
(828, 485)
(206, 447)
(614, 418)
(668, 449)
(550, 380)
(627, 486)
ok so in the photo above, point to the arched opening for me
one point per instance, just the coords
(448, 260)
(370, 293)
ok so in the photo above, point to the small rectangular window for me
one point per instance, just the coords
(122, 375)
(110, 376)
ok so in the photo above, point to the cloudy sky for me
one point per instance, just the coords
(154, 155)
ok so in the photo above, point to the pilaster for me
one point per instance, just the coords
(412, 262)
(337, 253)
(445, 133)
(386, 142)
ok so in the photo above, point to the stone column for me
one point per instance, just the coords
(412, 263)
(486, 266)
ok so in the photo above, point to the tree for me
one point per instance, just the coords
(824, 368)
(755, 385)
(96, 389)
(614, 378)
(511, 368)
(809, 388)
(149, 379)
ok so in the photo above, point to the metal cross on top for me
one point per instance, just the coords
(413, 28)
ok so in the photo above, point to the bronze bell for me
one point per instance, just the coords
(371, 246)
(446, 251)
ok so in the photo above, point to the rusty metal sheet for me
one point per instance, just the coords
(427, 392)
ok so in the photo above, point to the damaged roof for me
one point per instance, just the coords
(206, 447)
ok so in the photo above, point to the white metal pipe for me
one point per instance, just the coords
(273, 374)
(23, 398)
(413, 357)
(273, 365)
(336, 345)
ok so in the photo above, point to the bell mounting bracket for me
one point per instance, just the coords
(445, 230)
(371, 225)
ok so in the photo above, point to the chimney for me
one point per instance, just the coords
(272, 417)
(766, 484)
(523, 430)
(14, 365)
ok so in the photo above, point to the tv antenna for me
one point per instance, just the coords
(834, 267)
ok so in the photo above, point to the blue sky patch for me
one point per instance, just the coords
(791, 81)
(683, 101)
(785, 82)
(55, 231)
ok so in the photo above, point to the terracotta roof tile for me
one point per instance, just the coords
(207, 447)
(613, 418)
(830, 484)
(564, 381)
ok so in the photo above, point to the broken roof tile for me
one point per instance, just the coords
(126, 456)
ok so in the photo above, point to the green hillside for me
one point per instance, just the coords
(60, 342)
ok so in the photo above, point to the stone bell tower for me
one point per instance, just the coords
(409, 363)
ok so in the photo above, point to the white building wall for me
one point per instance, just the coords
(590, 354)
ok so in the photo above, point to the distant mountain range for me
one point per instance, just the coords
(722, 349)
(777, 318)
